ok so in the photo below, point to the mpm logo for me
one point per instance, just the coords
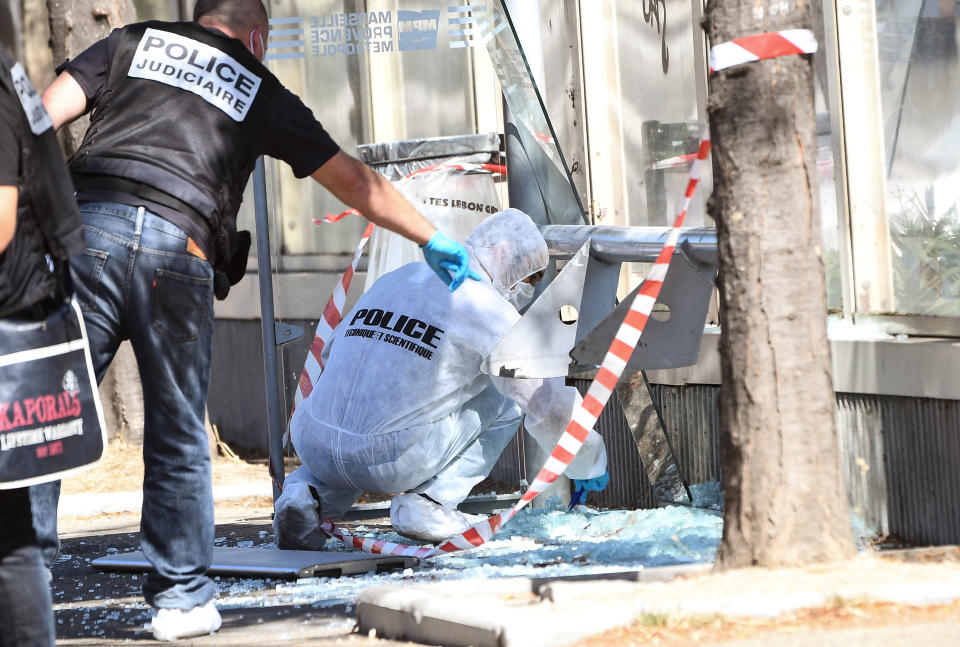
(417, 29)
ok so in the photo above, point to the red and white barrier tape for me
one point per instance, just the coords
(672, 162)
(462, 166)
(332, 313)
(331, 218)
(584, 418)
(762, 46)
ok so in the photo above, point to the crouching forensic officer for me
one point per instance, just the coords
(402, 404)
(39, 231)
(180, 113)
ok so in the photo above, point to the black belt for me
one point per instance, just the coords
(140, 190)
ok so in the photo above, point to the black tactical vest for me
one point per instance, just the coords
(183, 112)
(48, 229)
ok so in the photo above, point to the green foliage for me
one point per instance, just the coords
(831, 268)
(653, 620)
(926, 258)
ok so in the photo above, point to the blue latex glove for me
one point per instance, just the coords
(445, 255)
(581, 487)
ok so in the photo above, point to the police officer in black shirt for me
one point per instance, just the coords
(180, 112)
(39, 231)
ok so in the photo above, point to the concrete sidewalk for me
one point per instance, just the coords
(97, 503)
(101, 609)
(528, 612)
(97, 609)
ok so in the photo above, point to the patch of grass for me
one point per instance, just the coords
(653, 620)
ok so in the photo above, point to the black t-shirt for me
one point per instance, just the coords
(9, 140)
(294, 134)
(291, 132)
(31, 275)
(14, 504)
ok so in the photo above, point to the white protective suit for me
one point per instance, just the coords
(402, 405)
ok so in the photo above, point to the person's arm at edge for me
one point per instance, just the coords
(549, 405)
(8, 215)
(64, 100)
(358, 186)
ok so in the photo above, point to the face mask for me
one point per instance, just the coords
(520, 295)
(263, 48)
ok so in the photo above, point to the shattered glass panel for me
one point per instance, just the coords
(532, 122)
(543, 542)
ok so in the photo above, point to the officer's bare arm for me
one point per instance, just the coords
(357, 185)
(8, 215)
(64, 100)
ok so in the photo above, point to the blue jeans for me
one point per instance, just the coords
(45, 497)
(136, 281)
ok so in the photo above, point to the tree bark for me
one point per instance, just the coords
(785, 499)
(37, 57)
(74, 26)
(9, 34)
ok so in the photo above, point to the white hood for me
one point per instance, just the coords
(509, 248)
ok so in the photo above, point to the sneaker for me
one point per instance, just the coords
(296, 520)
(416, 516)
(172, 624)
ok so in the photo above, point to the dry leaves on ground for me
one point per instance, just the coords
(667, 631)
(121, 470)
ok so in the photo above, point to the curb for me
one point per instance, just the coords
(511, 612)
(507, 612)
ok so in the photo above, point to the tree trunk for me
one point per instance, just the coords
(74, 26)
(9, 34)
(37, 57)
(785, 499)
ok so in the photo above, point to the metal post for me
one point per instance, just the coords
(275, 417)
(522, 186)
